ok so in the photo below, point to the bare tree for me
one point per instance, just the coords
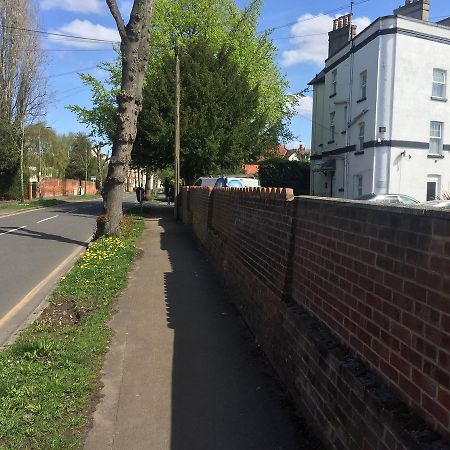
(134, 47)
(22, 86)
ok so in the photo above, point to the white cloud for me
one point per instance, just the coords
(310, 39)
(125, 7)
(305, 106)
(86, 29)
(84, 6)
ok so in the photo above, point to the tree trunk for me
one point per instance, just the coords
(148, 185)
(135, 51)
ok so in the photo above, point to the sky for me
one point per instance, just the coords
(300, 34)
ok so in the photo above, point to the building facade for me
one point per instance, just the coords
(381, 119)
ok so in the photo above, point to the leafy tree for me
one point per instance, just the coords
(81, 157)
(225, 27)
(278, 172)
(100, 118)
(221, 125)
(46, 150)
(135, 37)
(9, 158)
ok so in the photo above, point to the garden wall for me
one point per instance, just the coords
(350, 302)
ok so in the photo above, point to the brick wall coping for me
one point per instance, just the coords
(418, 210)
(260, 192)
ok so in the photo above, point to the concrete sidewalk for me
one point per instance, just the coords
(182, 372)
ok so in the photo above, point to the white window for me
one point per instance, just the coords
(433, 187)
(334, 82)
(332, 126)
(362, 127)
(439, 83)
(358, 186)
(436, 141)
(363, 84)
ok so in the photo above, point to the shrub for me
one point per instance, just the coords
(277, 172)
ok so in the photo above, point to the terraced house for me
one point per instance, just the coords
(381, 116)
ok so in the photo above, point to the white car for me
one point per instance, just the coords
(206, 181)
(441, 204)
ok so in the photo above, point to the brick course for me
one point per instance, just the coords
(372, 281)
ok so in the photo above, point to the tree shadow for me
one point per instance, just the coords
(224, 394)
(25, 232)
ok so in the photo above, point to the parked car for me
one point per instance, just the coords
(206, 181)
(399, 199)
(441, 204)
(237, 181)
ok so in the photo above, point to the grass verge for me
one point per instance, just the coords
(49, 376)
(32, 204)
(84, 197)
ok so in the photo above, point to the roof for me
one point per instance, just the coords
(319, 78)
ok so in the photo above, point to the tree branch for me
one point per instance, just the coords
(112, 5)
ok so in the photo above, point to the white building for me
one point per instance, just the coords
(381, 119)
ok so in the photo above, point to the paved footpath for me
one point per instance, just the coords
(181, 372)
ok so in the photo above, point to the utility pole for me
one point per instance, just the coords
(86, 171)
(22, 193)
(177, 128)
(40, 163)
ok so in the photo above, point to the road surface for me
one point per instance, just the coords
(36, 248)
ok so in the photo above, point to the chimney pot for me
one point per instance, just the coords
(343, 32)
(418, 9)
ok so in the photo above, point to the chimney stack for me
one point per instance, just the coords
(418, 9)
(343, 32)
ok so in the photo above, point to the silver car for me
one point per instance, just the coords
(399, 199)
(441, 204)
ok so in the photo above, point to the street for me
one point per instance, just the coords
(36, 248)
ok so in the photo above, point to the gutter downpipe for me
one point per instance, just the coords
(349, 115)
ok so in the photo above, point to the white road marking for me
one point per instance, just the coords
(25, 300)
(10, 231)
(48, 218)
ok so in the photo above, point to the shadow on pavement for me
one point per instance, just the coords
(24, 232)
(224, 396)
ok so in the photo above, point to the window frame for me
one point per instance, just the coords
(332, 126)
(334, 82)
(443, 85)
(363, 85)
(439, 139)
(361, 136)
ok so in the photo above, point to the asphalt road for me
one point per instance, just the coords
(36, 248)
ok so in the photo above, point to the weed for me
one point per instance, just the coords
(50, 374)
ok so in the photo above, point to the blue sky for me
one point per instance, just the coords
(301, 41)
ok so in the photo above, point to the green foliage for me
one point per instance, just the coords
(229, 31)
(101, 117)
(49, 374)
(223, 24)
(80, 156)
(278, 172)
(54, 150)
(221, 125)
(9, 159)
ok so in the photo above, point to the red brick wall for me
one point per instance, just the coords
(56, 187)
(351, 303)
(72, 187)
(379, 277)
(52, 187)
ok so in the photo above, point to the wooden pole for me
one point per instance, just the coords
(177, 128)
